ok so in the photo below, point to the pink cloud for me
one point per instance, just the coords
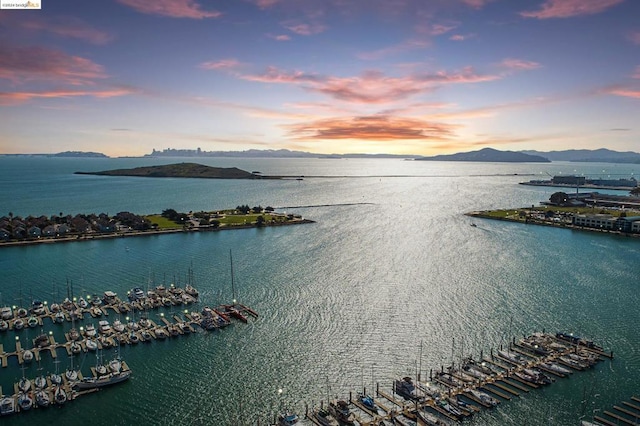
(393, 50)
(279, 37)
(569, 8)
(371, 87)
(436, 29)
(461, 37)
(305, 29)
(171, 8)
(14, 98)
(374, 128)
(477, 4)
(263, 4)
(220, 65)
(20, 64)
(627, 93)
(519, 64)
(68, 27)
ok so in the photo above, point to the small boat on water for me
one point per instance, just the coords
(41, 341)
(59, 395)
(25, 402)
(136, 293)
(24, 385)
(98, 382)
(368, 402)
(325, 419)
(22, 312)
(75, 347)
(104, 327)
(40, 382)
(18, 324)
(287, 419)
(59, 317)
(90, 330)
(71, 375)
(27, 355)
(74, 334)
(42, 398)
(484, 397)
(7, 406)
(109, 298)
(406, 389)
(83, 303)
(191, 291)
(4, 325)
(37, 307)
(6, 313)
(118, 326)
(340, 410)
(33, 321)
(91, 344)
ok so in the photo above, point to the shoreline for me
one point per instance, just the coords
(127, 234)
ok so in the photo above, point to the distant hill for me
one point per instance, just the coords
(80, 154)
(264, 153)
(489, 155)
(601, 155)
(181, 170)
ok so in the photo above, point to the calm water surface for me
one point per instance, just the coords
(391, 263)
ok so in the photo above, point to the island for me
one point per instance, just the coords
(183, 170)
(489, 155)
(16, 230)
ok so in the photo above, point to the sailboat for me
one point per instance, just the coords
(232, 309)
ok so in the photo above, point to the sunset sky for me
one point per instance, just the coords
(427, 77)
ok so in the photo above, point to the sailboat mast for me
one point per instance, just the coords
(233, 287)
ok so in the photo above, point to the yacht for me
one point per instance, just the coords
(33, 321)
(42, 398)
(18, 324)
(405, 388)
(40, 382)
(98, 382)
(59, 317)
(90, 330)
(340, 410)
(25, 402)
(118, 326)
(6, 313)
(136, 294)
(24, 385)
(287, 419)
(325, 418)
(37, 307)
(91, 345)
(59, 395)
(104, 327)
(27, 355)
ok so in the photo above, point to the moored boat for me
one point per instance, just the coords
(59, 395)
(25, 402)
(340, 410)
(325, 419)
(98, 382)
(406, 388)
(7, 406)
(287, 419)
(42, 398)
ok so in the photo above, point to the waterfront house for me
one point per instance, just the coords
(629, 224)
(34, 232)
(19, 232)
(63, 228)
(4, 234)
(49, 231)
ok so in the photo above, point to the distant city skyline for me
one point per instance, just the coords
(124, 77)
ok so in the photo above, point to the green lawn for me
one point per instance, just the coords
(162, 222)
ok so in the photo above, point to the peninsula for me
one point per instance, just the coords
(182, 170)
(489, 155)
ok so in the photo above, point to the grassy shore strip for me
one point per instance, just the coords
(168, 229)
(555, 216)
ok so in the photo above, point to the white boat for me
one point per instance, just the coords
(160, 333)
(91, 344)
(71, 375)
(110, 379)
(40, 382)
(325, 419)
(7, 406)
(406, 389)
(287, 419)
(55, 378)
(59, 317)
(37, 307)
(4, 325)
(33, 321)
(24, 385)
(75, 347)
(27, 355)
(83, 303)
(118, 326)
(25, 402)
(59, 395)
(104, 327)
(42, 398)
(6, 313)
(484, 397)
(115, 365)
(90, 330)
(18, 324)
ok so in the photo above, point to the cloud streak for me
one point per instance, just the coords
(222, 64)
(570, 8)
(20, 64)
(171, 8)
(519, 64)
(14, 98)
(68, 27)
(374, 128)
(372, 87)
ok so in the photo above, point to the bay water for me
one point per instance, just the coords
(390, 265)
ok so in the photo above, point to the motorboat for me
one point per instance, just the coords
(118, 326)
(96, 311)
(71, 375)
(406, 388)
(18, 324)
(146, 335)
(368, 402)
(558, 369)
(59, 317)
(27, 355)
(37, 307)
(75, 347)
(484, 397)
(191, 291)
(54, 308)
(340, 410)
(22, 312)
(133, 338)
(287, 419)
(325, 418)
(83, 303)
(90, 330)
(6, 313)
(41, 341)
(104, 327)
(160, 333)
(109, 298)
(98, 382)
(74, 334)
(136, 294)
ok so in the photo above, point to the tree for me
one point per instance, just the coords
(558, 198)
(635, 191)
(260, 221)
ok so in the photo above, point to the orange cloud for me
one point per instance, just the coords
(68, 27)
(20, 64)
(171, 8)
(569, 8)
(220, 65)
(519, 64)
(21, 97)
(371, 87)
(375, 128)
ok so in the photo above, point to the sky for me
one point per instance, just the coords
(425, 77)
